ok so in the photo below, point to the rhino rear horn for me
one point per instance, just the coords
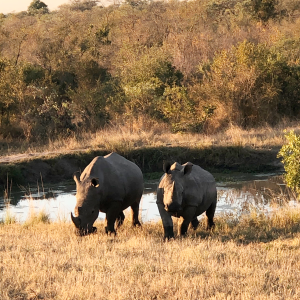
(75, 220)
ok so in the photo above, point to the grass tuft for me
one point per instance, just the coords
(9, 217)
(37, 218)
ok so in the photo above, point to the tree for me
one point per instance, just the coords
(83, 5)
(264, 9)
(37, 7)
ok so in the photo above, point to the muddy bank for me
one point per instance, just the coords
(60, 167)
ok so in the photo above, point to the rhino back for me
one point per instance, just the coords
(119, 178)
(200, 188)
(202, 175)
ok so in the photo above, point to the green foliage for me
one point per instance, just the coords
(148, 82)
(290, 154)
(253, 82)
(37, 7)
(264, 9)
(178, 109)
(102, 35)
(196, 65)
(32, 74)
(83, 5)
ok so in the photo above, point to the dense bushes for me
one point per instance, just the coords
(196, 66)
(254, 82)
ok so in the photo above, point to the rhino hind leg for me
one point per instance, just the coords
(210, 216)
(120, 219)
(135, 214)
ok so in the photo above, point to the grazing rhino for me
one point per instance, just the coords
(185, 191)
(108, 184)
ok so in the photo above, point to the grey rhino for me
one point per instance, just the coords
(108, 184)
(185, 191)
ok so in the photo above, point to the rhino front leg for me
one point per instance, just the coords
(135, 214)
(111, 215)
(186, 218)
(167, 221)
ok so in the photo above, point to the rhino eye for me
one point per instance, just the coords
(95, 182)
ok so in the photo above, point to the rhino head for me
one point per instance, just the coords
(174, 185)
(87, 205)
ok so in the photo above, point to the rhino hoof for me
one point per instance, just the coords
(210, 225)
(137, 224)
(168, 238)
(110, 232)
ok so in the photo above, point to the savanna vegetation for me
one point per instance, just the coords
(140, 73)
(254, 257)
(188, 66)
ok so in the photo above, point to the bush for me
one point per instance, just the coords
(253, 82)
(290, 154)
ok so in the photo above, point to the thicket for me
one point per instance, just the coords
(194, 65)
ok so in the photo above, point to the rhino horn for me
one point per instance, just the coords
(166, 166)
(75, 220)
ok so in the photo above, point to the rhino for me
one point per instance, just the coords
(185, 191)
(108, 184)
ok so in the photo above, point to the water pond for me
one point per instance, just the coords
(236, 194)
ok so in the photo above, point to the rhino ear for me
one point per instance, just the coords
(166, 166)
(95, 182)
(187, 169)
(76, 177)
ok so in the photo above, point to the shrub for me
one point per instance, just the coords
(290, 154)
(254, 82)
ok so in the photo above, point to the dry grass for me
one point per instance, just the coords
(253, 258)
(122, 138)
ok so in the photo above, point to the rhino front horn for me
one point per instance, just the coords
(75, 220)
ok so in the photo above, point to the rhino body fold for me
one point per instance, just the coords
(108, 184)
(185, 191)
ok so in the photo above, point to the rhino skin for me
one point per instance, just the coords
(185, 191)
(108, 184)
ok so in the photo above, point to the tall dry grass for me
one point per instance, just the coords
(256, 257)
(117, 137)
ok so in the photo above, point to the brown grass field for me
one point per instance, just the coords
(122, 138)
(254, 257)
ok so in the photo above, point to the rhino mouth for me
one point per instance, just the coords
(85, 231)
